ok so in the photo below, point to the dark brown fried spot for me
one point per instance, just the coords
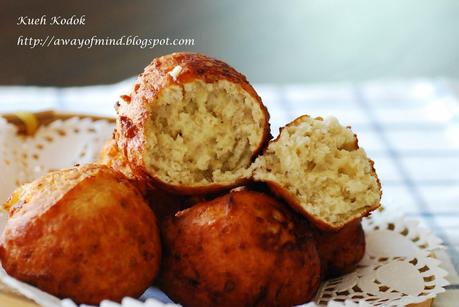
(126, 98)
(124, 203)
(129, 129)
(76, 278)
(147, 256)
(229, 285)
(193, 282)
(261, 295)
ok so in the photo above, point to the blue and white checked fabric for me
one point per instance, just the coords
(409, 128)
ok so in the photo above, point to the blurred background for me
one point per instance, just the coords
(270, 41)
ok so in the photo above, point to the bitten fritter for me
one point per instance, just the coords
(192, 124)
(340, 251)
(85, 233)
(317, 167)
(241, 249)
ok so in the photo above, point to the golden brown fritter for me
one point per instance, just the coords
(340, 251)
(317, 167)
(192, 124)
(85, 233)
(241, 249)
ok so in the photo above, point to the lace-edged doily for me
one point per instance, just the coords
(58, 145)
(398, 268)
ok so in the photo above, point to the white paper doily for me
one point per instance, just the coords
(398, 268)
(58, 145)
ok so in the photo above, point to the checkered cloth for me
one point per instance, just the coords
(410, 129)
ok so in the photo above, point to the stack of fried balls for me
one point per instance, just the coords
(192, 196)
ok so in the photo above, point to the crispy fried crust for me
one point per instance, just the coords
(195, 190)
(340, 251)
(163, 203)
(85, 233)
(133, 113)
(241, 249)
(111, 156)
(294, 202)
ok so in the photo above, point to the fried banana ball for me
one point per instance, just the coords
(85, 233)
(317, 167)
(241, 249)
(340, 251)
(192, 124)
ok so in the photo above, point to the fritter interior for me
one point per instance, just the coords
(320, 164)
(202, 133)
